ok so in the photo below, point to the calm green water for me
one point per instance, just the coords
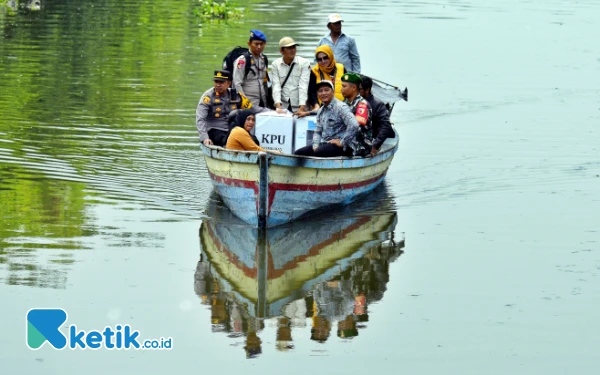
(106, 207)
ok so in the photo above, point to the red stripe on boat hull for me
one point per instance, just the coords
(278, 186)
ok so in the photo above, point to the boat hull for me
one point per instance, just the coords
(295, 185)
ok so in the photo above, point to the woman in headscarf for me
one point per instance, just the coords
(326, 69)
(239, 135)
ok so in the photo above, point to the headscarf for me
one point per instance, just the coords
(329, 68)
(241, 116)
(240, 120)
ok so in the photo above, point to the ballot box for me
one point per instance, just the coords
(304, 130)
(275, 131)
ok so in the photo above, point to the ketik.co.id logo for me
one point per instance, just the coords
(43, 325)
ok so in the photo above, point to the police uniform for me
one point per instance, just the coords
(253, 85)
(213, 111)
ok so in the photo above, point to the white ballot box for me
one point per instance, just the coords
(305, 128)
(275, 131)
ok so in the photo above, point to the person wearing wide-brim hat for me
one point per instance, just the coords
(214, 108)
(336, 126)
(290, 75)
(343, 45)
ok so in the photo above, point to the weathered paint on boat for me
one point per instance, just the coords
(296, 257)
(296, 185)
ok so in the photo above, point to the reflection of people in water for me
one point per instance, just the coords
(203, 281)
(252, 346)
(341, 301)
(236, 320)
(226, 313)
(347, 328)
(253, 342)
(284, 334)
(219, 316)
(321, 327)
(360, 308)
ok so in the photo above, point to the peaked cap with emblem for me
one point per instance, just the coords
(222, 75)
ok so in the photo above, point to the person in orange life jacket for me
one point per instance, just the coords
(362, 144)
(382, 128)
(254, 85)
(326, 69)
(214, 108)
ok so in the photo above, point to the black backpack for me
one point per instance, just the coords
(234, 54)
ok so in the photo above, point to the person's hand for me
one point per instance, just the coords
(302, 108)
(207, 142)
(301, 113)
(277, 105)
(280, 110)
(374, 151)
(336, 142)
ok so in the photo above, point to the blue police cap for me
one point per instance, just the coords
(257, 35)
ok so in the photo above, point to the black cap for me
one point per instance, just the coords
(222, 75)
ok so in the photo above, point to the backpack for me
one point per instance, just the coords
(234, 54)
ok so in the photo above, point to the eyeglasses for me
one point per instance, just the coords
(319, 59)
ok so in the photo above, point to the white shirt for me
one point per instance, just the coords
(296, 87)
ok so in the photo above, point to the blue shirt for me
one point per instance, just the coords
(344, 51)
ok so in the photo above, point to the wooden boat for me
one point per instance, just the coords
(266, 190)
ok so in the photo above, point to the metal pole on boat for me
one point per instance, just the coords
(263, 187)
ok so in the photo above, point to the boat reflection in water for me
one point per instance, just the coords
(316, 274)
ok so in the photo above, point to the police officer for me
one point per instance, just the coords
(253, 85)
(214, 108)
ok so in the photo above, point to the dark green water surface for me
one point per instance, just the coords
(479, 255)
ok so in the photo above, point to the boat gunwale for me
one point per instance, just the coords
(289, 160)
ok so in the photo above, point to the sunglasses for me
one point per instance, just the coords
(323, 58)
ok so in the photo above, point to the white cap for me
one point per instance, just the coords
(325, 82)
(333, 18)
